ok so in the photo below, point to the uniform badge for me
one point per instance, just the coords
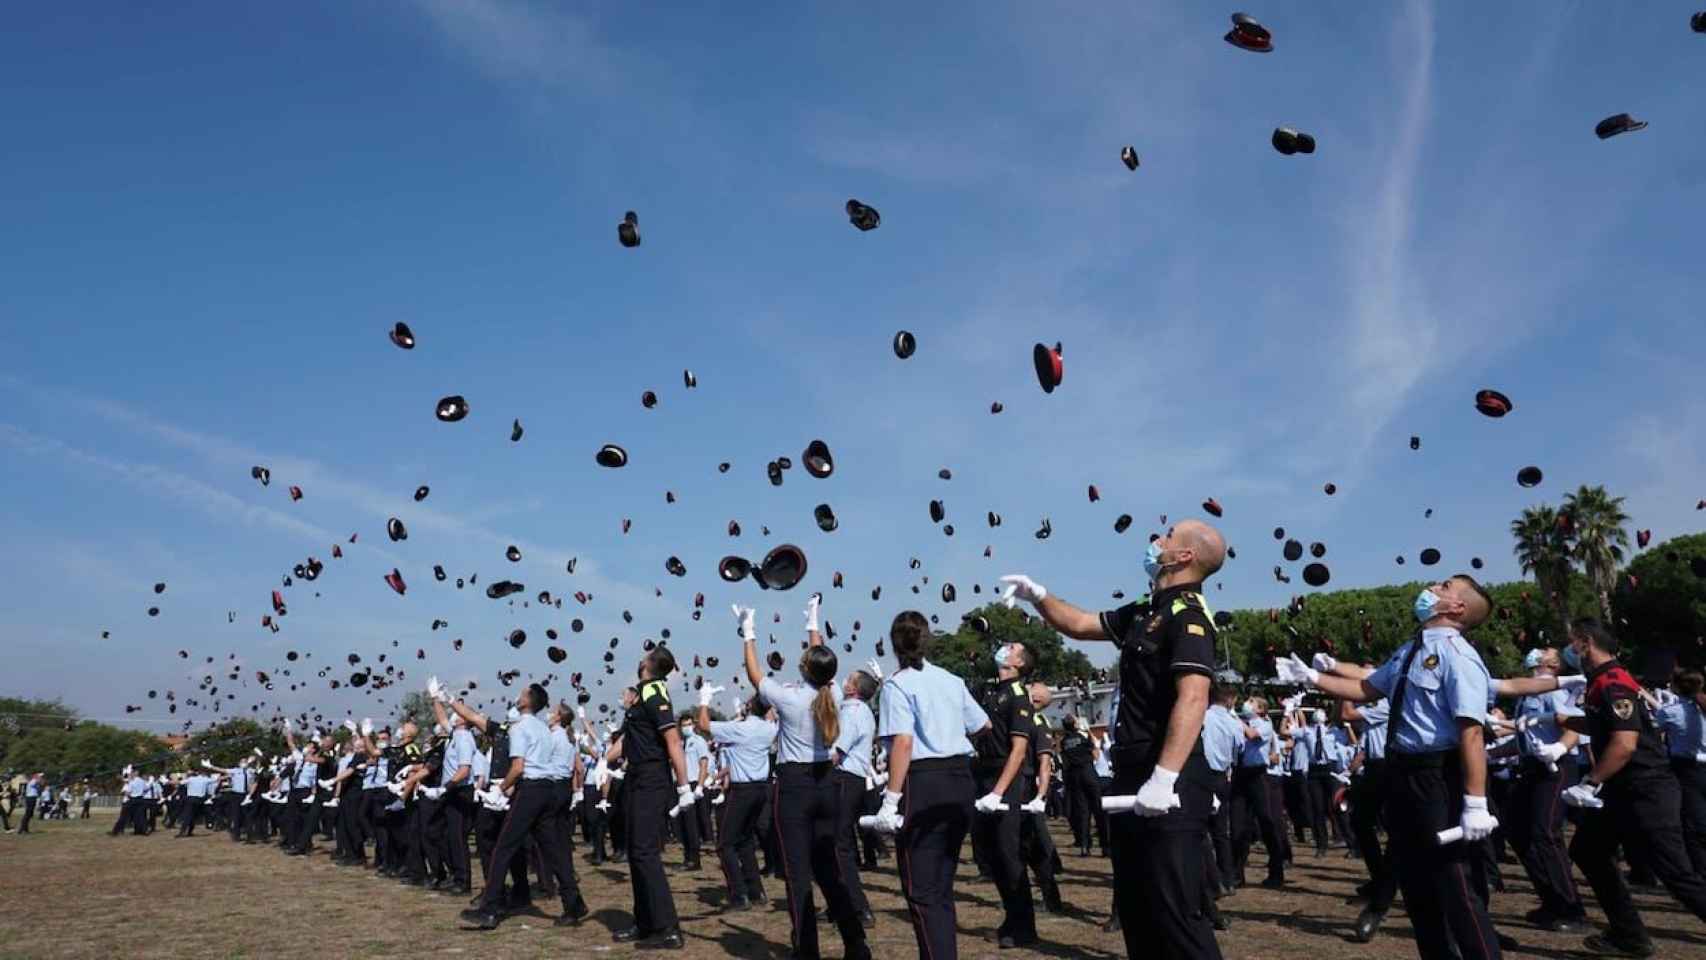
(1154, 624)
(1624, 708)
(1431, 662)
(1195, 630)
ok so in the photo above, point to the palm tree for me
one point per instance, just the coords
(1543, 549)
(1598, 519)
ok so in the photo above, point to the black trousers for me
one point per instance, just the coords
(373, 803)
(532, 815)
(296, 825)
(459, 807)
(998, 836)
(1083, 803)
(618, 816)
(1036, 847)
(124, 818)
(849, 804)
(936, 812)
(236, 815)
(745, 812)
(429, 815)
(687, 823)
(352, 822)
(1297, 806)
(488, 824)
(1424, 795)
(1324, 813)
(1158, 872)
(594, 824)
(648, 792)
(1534, 826)
(1252, 816)
(1367, 793)
(1646, 818)
(188, 816)
(804, 804)
(29, 814)
(1691, 778)
(1220, 833)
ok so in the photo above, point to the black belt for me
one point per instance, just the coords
(815, 766)
(956, 764)
(1421, 761)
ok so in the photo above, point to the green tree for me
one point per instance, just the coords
(971, 654)
(416, 706)
(19, 718)
(1662, 598)
(1598, 539)
(1543, 550)
(87, 751)
(227, 743)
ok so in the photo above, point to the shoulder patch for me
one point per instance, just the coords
(655, 688)
(1623, 707)
(1018, 687)
(1195, 629)
(1431, 662)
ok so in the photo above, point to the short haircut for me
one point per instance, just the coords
(1594, 632)
(1027, 660)
(1471, 619)
(1689, 683)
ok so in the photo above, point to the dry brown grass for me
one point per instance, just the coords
(69, 890)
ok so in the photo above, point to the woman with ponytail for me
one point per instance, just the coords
(805, 801)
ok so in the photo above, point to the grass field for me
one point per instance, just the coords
(69, 890)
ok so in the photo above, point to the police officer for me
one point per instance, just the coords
(1299, 803)
(298, 832)
(651, 751)
(1436, 765)
(1683, 721)
(1166, 645)
(852, 754)
(1534, 810)
(1004, 775)
(1222, 740)
(1036, 847)
(533, 809)
(804, 801)
(745, 746)
(456, 805)
(1367, 791)
(1632, 796)
(1252, 806)
(32, 796)
(698, 756)
(926, 718)
(1317, 739)
(237, 781)
(195, 794)
(1083, 793)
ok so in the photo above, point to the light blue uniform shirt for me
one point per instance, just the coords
(32, 790)
(196, 786)
(307, 774)
(377, 773)
(800, 740)
(530, 740)
(459, 754)
(1221, 735)
(694, 749)
(1543, 708)
(746, 747)
(1374, 716)
(481, 774)
(1254, 753)
(1298, 760)
(858, 729)
(1684, 725)
(1319, 745)
(1104, 767)
(560, 760)
(136, 789)
(1447, 682)
(240, 779)
(935, 708)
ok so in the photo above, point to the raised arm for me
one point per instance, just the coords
(813, 637)
(1057, 613)
(749, 645)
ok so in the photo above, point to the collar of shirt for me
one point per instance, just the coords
(1160, 598)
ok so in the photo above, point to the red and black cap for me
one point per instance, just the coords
(1050, 364)
(1492, 403)
(1248, 34)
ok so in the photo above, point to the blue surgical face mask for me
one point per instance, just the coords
(1152, 559)
(1002, 655)
(1568, 654)
(1425, 603)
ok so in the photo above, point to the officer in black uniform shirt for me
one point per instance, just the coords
(1004, 775)
(1083, 792)
(1166, 645)
(1631, 797)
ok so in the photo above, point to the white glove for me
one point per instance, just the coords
(811, 612)
(432, 793)
(875, 669)
(1477, 823)
(581, 713)
(1299, 672)
(1291, 703)
(748, 633)
(618, 774)
(287, 725)
(257, 752)
(1550, 752)
(367, 726)
(990, 803)
(327, 784)
(208, 764)
(600, 773)
(314, 733)
(396, 788)
(683, 797)
(1216, 800)
(1038, 804)
(718, 799)
(698, 793)
(603, 805)
(880, 778)
(350, 726)
(1325, 663)
(1573, 682)
(706, 692)
(1017, 586)
(1157, 795)
(575, 799)
(1584, 795)
(888, 819)
(1343, 778)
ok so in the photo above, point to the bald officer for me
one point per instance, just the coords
(1166, 644)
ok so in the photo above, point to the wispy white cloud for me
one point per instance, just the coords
(525, 43)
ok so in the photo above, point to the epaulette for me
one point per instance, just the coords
(1191, 601)
(657, 687)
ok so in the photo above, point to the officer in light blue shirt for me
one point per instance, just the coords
(744, 748)
(1222, 736)
(1252, 806)
(853, 783)
(1222, 741)
(1683, 722)
(195, 795)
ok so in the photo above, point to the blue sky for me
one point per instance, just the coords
(214, 213)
